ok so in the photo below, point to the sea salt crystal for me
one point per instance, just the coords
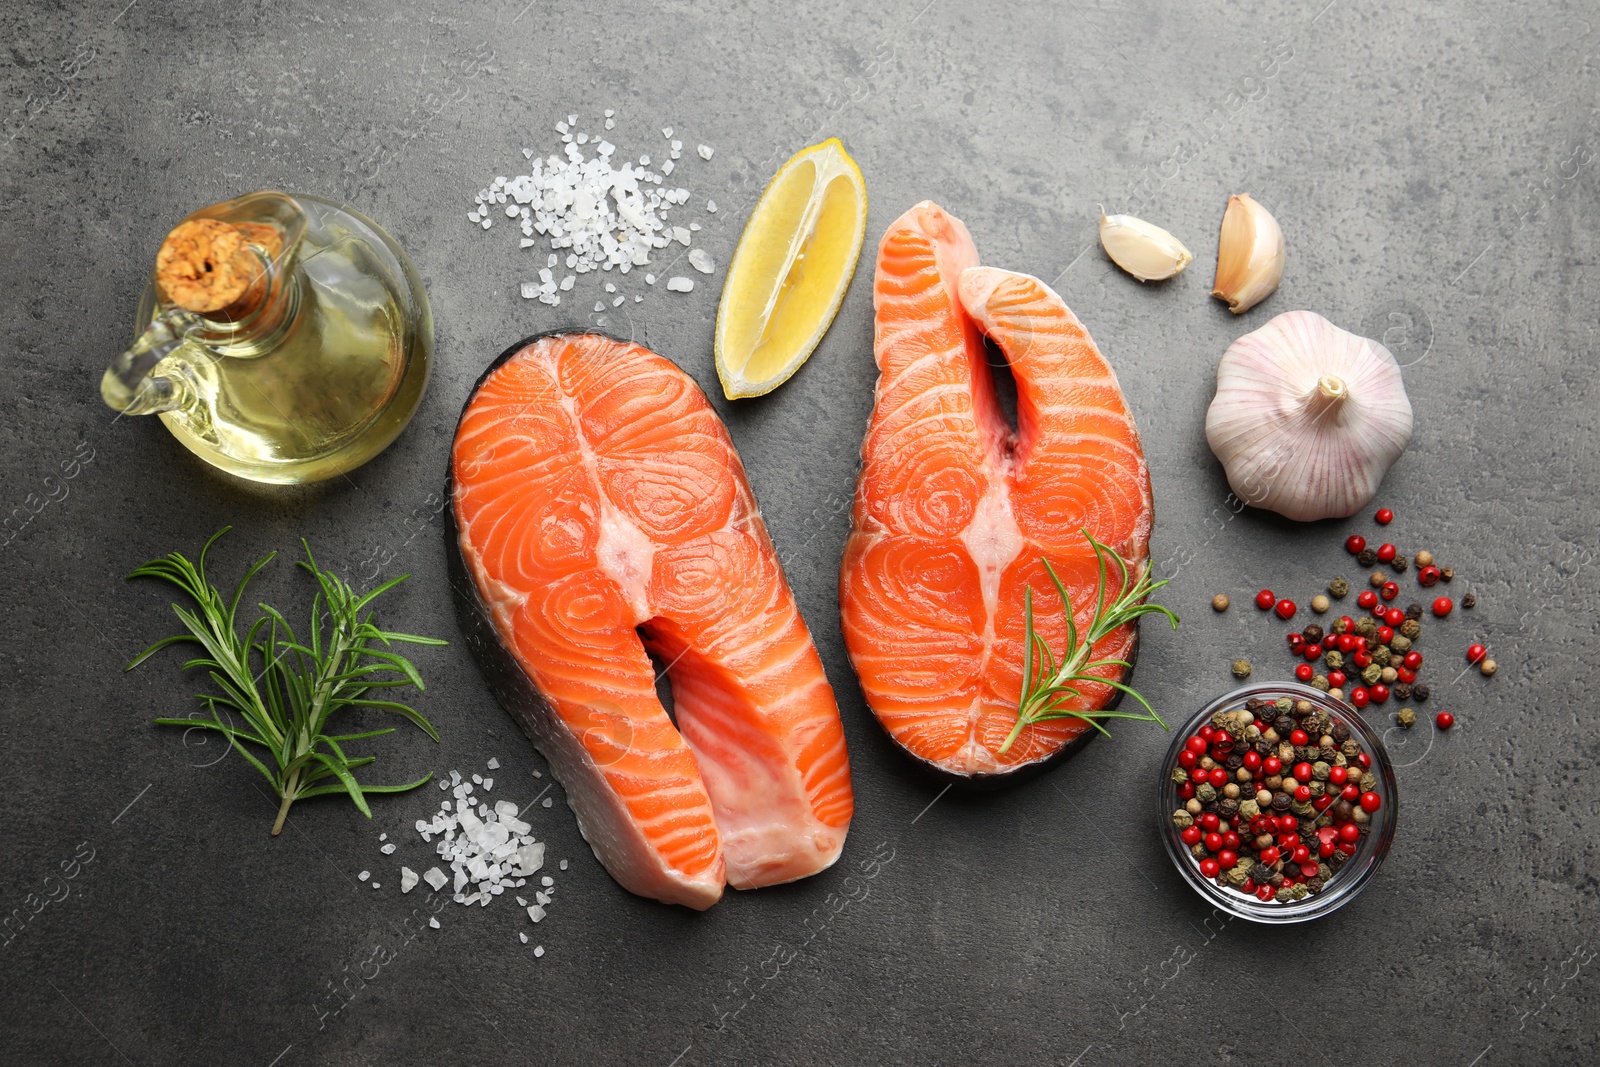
(408, 879)
(383, 837)
(547, 800)
(529, 290)
(435, 878)
(618, 301)
(680, 285)
(434, 923)
(364, 875)
(711, 206)
(598, 306)
(705, 151)
(535, 912)
(387, 850)
(538, 950)
(494, 762)
(700, 261)
(649, 279)
(488, 783)
(666, 168)
(375, 885)
(666, 131)
(563, 865)
(547, 881)
(523, 935)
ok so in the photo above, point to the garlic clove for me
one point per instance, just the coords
(1249, 255)
(1307, 417)
(1144, 250)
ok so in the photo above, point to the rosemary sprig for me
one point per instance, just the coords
(285, 691)
(1046, 685)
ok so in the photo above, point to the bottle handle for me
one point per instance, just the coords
(132, 385)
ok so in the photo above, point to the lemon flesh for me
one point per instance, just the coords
(791, 269)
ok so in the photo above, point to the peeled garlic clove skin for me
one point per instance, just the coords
(1145, 251)
(1307, 417)
(1249, 255)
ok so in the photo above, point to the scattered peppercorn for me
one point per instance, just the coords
(1424, 558)
(1220, 602)
(1420, 692)
(1406, 718)
(1399, 564)
(1321, 604)
(1384, 517)
(1265, 600)
(1447, 573)
(1285, 609)
(1469, 601)
(1312, 634)
(1444, 720)
(1442, 606)
(1476, 653)
(1241, 668)
(1488, 667)
(1386, 552)
(1354, 544)
(1366, 557)
(1338, 588)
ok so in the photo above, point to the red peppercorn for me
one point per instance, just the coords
(1348, 642)
(1209, 821)
(1213, 842)
(1288, 823)
(1442, 606)
(1349, 832)
(1365, 761)
(1348, 847)
(1384, 517)
(1444, 720)
(1301, 853)
(1285, 609)
(1197, 744)
(1270, 855)
(1347, 622)
(1191, 835)
(1299, 737)
(1395, 617)
(1362, 658)
(1209, 868)
(1428, 575)
(1336, 679)
(1414, 659)
(1185, 790)
(1272, 765)
(1325, 849)
(1187, 759)
(1476, 653)
(1386, 553)
(1371, 802)
(1366, 598)
(1322, 802)
(1389, 591)
(1264, 892)
(1302, 793)
(1252, 761)
(1227, 858)
(1219, 777)
(1379, 693)
(1248, 887)
(1312, 653)
(1359, 696)
(1385, 634)
(1337, 775)
(1231, 840)
(1304, 672)
(1354, 544)
(1405, 675)
(1296, 639)
(1350, 792)
(1265, 599)
(1302, 771)
(1381, 612)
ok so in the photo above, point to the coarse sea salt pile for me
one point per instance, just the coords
(487, 850)
(595, 215)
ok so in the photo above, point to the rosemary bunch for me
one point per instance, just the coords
(285, 691)
(1047, 685)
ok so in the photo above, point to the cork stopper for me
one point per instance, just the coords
(206, 265)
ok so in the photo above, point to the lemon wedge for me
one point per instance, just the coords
(791, 269)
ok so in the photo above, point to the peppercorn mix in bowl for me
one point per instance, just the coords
(1277, 802)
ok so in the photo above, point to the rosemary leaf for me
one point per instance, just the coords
(1045, 686)
(286, 690)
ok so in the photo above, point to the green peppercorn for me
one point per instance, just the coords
(1340, 626)
(1284, 705)
(1369, 782)
(1382, 656)
(1338, 588)
(1179, 775)
(1182, 819)
(1335, 660)
(1320, 681)
(1206, 793)
(1351, 748)
(1249, 809)
(1411, 629)
(1366, 626)
(1319, 771)
(1299, 891)
(1236, 876)
(1284, 894)
(1406, 718)
(1400, 643)
(1241, 668)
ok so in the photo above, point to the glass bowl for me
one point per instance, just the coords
(1349, 879)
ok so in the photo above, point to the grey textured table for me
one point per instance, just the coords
(1435, 172)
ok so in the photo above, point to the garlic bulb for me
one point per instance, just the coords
(1249, 255)
(1145, 251)
(1307, 417)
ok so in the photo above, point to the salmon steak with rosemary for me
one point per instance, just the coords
(970, 537)
(601, 516)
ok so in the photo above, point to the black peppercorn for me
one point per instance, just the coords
(1314, 885)
(1401, 691)
(1340, 732)
(1313, 634)
(1469, 601)
(1284, 725)
(1281, 801)
(1399, 564)
(1413, 611)
(1366, 557)
(1447, 573)
(1234, 762)
(1420, 692)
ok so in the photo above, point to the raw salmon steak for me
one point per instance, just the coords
(954, 509)
(602, 514)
